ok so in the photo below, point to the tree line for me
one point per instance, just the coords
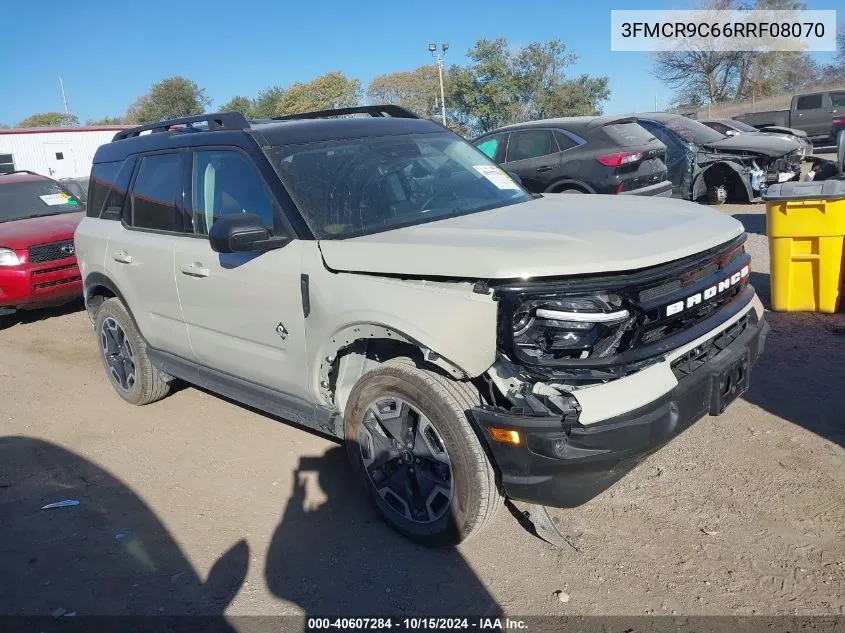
(701, 77)
(499, 85)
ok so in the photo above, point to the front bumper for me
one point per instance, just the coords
(36, 285)
(560, 467)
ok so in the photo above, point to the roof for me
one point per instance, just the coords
(570, 123)
(45, 130)
(315, 130)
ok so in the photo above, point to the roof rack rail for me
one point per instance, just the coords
(19, 171)
(394, 111)
(215, 121)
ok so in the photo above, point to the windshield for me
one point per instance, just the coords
(742, 127)
(353, 187)
(693, 130)
(34, 198)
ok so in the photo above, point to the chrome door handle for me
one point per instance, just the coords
(195, 270)
(122, 257)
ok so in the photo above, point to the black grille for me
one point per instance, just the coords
(50, 252)
(58, 282)
(697, 357)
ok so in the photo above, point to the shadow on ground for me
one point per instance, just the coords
(801, 376)
(753, 222)
(109, 555)
(25, 317)
(336, 556)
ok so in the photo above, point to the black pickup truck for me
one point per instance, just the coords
(813, 113)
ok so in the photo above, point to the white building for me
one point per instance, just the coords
(55, 152)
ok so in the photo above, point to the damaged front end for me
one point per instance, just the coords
(575, 374)
(740, 175)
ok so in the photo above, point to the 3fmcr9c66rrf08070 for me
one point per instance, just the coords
(371, 275)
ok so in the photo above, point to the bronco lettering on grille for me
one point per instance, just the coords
(708, 293)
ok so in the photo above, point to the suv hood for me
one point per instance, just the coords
(558, 234)
(21, 234)
(765, 144)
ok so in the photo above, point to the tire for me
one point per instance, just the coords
(147, 384)
(442, 404)
(570, 191)
(717, 194)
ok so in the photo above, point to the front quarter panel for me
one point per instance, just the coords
(447, 318)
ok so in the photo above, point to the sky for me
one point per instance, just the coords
(110, 55)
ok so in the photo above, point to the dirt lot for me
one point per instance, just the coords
(198, 505)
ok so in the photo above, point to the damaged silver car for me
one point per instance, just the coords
(706, 165)
(370, 275)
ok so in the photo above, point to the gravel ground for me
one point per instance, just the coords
(198, 505)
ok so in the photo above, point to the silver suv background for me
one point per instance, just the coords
(372, 276)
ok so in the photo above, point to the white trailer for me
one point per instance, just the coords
(54, 152)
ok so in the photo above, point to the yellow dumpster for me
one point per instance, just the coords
(805, 222)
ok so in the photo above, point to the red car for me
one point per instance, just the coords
(37, 263)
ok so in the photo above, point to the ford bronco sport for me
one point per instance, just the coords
(370, 275)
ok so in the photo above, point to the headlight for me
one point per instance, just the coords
(8, 257)
(562, 328)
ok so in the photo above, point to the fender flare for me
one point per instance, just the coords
(95, 280)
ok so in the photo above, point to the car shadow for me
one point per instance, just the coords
(332, 555)
(753, 222)
(801, 376)
(108, 555)
(25, 317)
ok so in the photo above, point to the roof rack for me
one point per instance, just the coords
(19, 171)
(394, 111)
(216, 121)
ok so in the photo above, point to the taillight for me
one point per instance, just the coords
(622, 158)
(839, 120)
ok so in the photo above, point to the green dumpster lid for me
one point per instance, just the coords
(825, 190)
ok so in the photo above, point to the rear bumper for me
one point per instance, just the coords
(662, 189)
(31, 286)
(555, 467)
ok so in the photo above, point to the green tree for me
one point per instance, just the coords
(238, 104)
(169, 99)
(417, 90)
(265, 105)
(50, 119)
(501, 85)
(106, 120)
(332, 90)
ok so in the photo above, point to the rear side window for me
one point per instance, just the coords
(627, 134)
(564, 141)
(490, 147)
(809, 102)
(103, 176)
(158, 186)
(837, 99)
(530, 144)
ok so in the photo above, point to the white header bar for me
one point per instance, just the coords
(694, 30)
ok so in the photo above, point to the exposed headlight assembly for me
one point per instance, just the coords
(558, 329)
(8, 257)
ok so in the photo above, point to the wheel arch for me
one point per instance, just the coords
(358, 348)
(96, 289)
(730, 173)
(569, 183)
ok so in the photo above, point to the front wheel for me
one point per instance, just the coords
(418, 457)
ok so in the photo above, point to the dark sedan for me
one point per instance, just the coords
(610, 155)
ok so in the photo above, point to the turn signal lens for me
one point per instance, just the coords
(507, 436)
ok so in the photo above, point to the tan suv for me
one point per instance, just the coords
(371, 275)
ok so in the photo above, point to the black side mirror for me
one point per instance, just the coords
(242, 233)
(515, 176)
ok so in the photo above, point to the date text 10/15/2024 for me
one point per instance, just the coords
(412, 624)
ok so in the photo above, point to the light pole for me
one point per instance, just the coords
(432, 48)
